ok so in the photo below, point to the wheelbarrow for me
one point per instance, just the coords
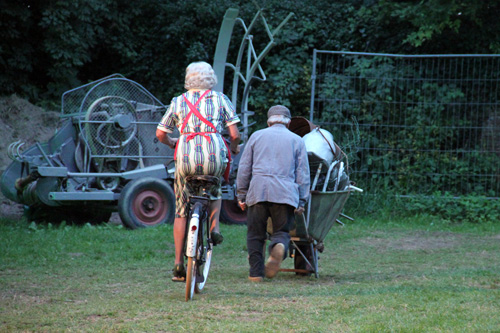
(329, 192)
(307, 235)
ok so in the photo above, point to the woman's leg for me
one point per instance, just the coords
(179, 233)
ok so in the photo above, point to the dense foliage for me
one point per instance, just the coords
(48, 47)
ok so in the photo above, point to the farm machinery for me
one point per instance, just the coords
(105, 157)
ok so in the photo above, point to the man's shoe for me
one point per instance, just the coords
(179, 273)
(255, 279)
(274, 261)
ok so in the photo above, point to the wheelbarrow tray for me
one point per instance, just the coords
(325, 208)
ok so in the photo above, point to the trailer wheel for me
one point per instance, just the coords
(146, 202)
(231, 213)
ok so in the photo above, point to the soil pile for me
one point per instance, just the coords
(21, 120)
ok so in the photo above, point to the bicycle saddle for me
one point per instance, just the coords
(197, 181)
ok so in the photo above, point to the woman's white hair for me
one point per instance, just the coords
(200, 75)
(278, 118)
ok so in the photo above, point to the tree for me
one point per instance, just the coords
(446, 26)
(48, 47)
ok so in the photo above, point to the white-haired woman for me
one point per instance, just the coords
(200, 114)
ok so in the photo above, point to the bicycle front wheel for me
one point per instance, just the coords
(204, 268)
(190, 278)
(192, 250)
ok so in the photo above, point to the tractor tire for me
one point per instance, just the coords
(231, 213)
(146, 202)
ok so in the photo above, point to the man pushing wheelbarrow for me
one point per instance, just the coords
(293, 174)
(273, 181)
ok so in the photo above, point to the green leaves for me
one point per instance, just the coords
(52, 46)
(475, 209)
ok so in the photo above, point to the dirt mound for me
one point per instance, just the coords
(21, 120)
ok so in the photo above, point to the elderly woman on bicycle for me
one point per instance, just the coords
(200, 114)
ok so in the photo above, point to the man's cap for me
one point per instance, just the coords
(279, 110)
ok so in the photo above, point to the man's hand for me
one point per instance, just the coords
(299, 210)
(242, 205)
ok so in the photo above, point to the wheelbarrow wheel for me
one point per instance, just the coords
(300, 262)
(146, 202)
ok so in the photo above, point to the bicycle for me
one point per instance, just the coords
(198, 243)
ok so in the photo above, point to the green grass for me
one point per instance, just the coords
(411, 275)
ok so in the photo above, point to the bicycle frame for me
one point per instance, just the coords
(193, 229)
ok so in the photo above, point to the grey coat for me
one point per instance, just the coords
(274, 168)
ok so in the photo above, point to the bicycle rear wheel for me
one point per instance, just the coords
(190, 278)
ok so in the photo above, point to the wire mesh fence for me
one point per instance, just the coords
(413, 124)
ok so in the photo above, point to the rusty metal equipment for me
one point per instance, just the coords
(105, 156)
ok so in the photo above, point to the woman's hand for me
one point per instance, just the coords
(172, 142)
(165, 139)
(234, 136)
(235, 150)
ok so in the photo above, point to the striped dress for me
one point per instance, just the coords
(199, 156)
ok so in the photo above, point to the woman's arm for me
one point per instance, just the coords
(165, 139)
(234, 136)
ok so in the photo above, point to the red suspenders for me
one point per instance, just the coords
(194, 109)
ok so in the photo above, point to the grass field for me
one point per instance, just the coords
(411, 275)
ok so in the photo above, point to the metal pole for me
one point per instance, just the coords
(313, 85)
